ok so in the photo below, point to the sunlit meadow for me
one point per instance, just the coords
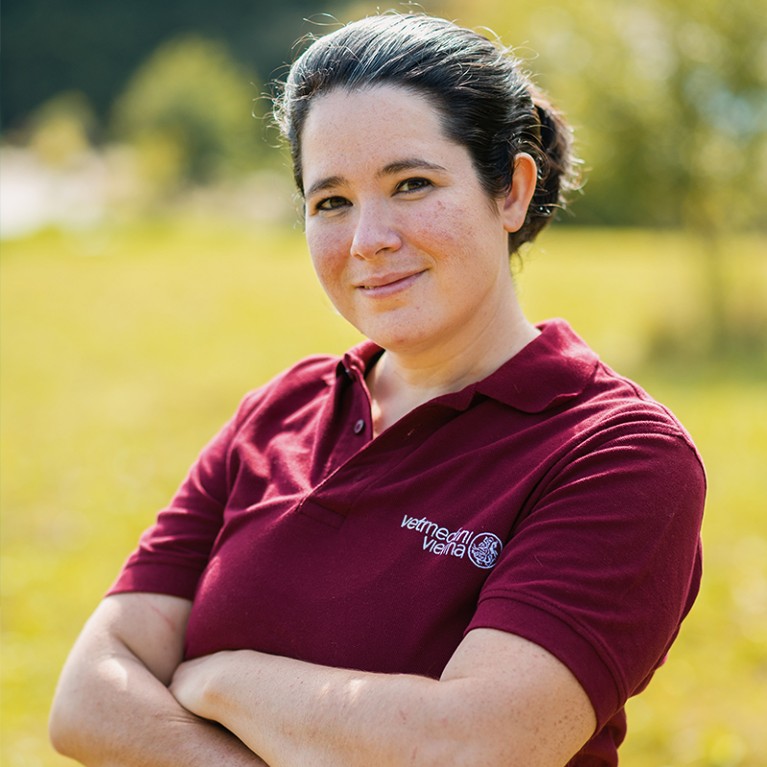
(124, 348)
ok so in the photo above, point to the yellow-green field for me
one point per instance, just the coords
(124, 349)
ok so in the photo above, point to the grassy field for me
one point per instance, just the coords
(124, 349)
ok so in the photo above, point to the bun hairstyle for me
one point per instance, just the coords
(487, 102)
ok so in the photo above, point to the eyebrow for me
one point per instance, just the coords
(398, 166)
(411, 163)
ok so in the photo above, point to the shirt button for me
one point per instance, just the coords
(359, 426)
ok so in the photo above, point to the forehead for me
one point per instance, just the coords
(377, 107)
(345, 125)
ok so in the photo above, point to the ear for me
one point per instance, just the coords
(516, 202)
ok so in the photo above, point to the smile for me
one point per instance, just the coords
(384, 285)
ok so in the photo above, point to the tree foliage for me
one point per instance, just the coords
(668, 98)
(191, 102)
(94, 46)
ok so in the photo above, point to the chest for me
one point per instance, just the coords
(373, 559)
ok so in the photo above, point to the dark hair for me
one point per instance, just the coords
(487, 102)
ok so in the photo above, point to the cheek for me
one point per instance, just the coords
(449, 231)
(329, 262)
(437, 228)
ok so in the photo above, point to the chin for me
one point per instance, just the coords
(399, 337)
(400, 343)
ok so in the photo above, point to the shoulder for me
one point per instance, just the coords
(610, 404)
(616, 407)
(576, 401)
(300, 383)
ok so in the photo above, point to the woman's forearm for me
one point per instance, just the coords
(112, 707)
(495, 699)
(120, 715)
(297, 714)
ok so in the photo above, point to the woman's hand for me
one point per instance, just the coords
(194, 683)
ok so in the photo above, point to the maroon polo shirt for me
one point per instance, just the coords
(554, 500)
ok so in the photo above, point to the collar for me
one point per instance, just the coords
(553, 368)
(358, 360)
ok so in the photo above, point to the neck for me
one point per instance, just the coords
(400, 382)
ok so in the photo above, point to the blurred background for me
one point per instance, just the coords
(153, 270)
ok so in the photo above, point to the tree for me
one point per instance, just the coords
(669, 102)
(188, 110)
(93, 46)
(668, 97)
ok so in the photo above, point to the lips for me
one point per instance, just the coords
(391, 280)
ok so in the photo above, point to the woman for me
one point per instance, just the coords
(467, 541)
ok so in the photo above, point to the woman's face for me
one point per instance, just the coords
(406, 243)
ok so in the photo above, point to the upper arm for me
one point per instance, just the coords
(149, 627)
(519, 699)
(126, 653)
(606, 564)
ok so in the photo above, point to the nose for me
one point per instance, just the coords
(374, 233)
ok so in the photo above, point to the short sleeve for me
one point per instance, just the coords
(173, 552)
(607, 562)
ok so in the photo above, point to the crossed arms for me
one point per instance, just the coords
(126, 699)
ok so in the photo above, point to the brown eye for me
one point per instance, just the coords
(413, 185)
(332, 203)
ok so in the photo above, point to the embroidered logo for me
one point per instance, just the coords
(481, 549)
(484, 550)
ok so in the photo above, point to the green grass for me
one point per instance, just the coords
(124, 349)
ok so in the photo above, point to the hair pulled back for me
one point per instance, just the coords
(487, 103)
